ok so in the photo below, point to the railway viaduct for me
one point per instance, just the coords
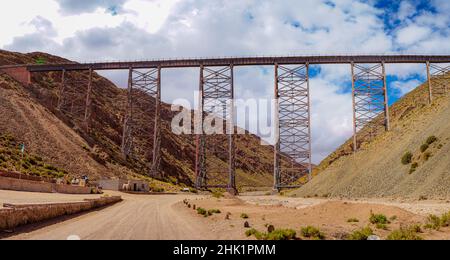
(291, 90)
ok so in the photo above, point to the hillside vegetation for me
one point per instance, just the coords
(411, 161)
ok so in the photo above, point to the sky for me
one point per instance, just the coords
(101, 30)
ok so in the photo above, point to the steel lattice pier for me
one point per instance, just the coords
(293, 123)
(216, 144)
(369, 101)
(75, 96)
(144, 89)
(440, 77)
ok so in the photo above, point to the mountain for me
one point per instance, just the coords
(30, 115)
(411, 161)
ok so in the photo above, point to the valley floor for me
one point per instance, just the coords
(165, 217)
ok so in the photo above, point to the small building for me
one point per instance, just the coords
(124, 185)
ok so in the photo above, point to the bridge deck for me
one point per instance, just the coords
(246, 61)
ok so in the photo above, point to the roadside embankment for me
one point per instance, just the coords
(13, 216)
(14, 184)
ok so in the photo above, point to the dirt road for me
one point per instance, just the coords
(165, 217)
(138, 217)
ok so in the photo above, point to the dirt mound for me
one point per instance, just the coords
(377, 169)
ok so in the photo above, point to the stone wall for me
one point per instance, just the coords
(44, 187)
(25, 185)
(68, 189)
(20, 74)
(13, 216)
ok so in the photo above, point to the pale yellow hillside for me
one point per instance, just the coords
(377, 170)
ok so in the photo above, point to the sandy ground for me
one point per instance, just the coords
(331, 217)
(165, 217)
(424, 208)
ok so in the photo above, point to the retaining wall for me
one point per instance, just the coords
(40, 186)
(20, 74)
(25, 185)
(13, 216)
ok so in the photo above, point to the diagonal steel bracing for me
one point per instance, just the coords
(216, 143)
(143, 107)
(75, 96)
(370, 99)
(293, 132)
(439, 79)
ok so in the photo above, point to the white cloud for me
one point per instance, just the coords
(406, 10)
(412, 34)
(404, 87)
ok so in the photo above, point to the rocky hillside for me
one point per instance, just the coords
(411, 161)
(30, 115)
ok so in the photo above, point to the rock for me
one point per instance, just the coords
(373, 238)
(246, 224)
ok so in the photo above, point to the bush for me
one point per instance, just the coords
(378, 219)
(251, 232)
(202, 211)
(408, 233)
(361, 234)
(427, 156)
(445, 220)
(413, 168)
(407, 158)
(217, 194)
(433, 222)
(278, 234)
(214, 211)
(431, 140)
(244, 216)
(312, 232)
(50, 167)
(424, 147)
(382, 226)
(281, 234)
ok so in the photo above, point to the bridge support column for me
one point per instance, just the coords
(293, 123)
(276, 164)
(370, 99)
(439, 79)
(430, 87)
(200, 172)
(217, 136)
(144, 88)
(75, 96)
(61, 90)
(88, 106)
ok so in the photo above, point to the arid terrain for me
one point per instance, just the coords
(166, 217)
(377, 171)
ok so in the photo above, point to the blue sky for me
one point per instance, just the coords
(147, 29)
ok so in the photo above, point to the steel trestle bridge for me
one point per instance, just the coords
(216, 81)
